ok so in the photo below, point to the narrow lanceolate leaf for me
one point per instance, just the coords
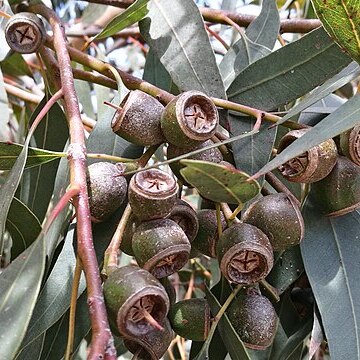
(175, 31)
(343, 77)
(259, 39)
(20, 280)
(342, 119)
(341, 20)
(4, 108)
(289, 72)
(131, 15)
(330, 251)
(218, 182)
(23, 226)
(9, 152)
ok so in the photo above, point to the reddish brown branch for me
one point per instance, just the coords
(218, 16)
(102, 341)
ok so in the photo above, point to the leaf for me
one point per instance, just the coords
(131, 15)
(260, 38)
(330, 251)
(15, 65)
(349, 113)
(51, 134)
(218, 182)
(54, 299)
(336, 82)
(253, 152)
(232, 341)
(23, 226)
(9, 152)
(104, 141)
(317, 336)
(20, 280)
(289, 72)
(341, 20)
(286, 270)
(32, 351)
(175, 32)
(156, 74)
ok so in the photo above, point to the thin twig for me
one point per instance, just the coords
(22, 94)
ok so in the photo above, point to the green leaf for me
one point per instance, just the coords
(330, 252)
(23, 226)
(51, 134)
(33, 350)
(9, 152)
(54, 299)
(341, 20)
(175, 32)
(259, 39)
(286, 270)
(343, 77)
(231, 339)
(349, 114)
(253, 152)
(20, 280)
(131, 15)
(156, 74)
(279, 77)
(218, 182)
(15, 65)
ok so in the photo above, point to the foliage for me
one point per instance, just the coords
(254, 70)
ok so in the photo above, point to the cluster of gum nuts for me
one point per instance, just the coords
(163, 232)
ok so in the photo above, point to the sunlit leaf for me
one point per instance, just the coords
(131, 15)
(341, 20)
(218, 182)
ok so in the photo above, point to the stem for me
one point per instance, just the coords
(110, 158)
(197, 151)
(217, 37)
(111, 253)
(270, 290)
(222, 311)
(22, 94)
(228, 214)
(74, 295)
(236, 212)
(5, 15)
(218, 218)
(102, 341)
(225, 104)
(279, 186)
(146, 156)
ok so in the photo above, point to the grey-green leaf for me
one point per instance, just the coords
(131, 15)
(330, 251)
(20, 280)
(175, 31)
(259, 39)
(342, 119)
(343, 77)
(9, 152)
(23, 226)
(289, 72)
(219, 183)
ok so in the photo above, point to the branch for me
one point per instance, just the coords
(102, 344)
(300, 26)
